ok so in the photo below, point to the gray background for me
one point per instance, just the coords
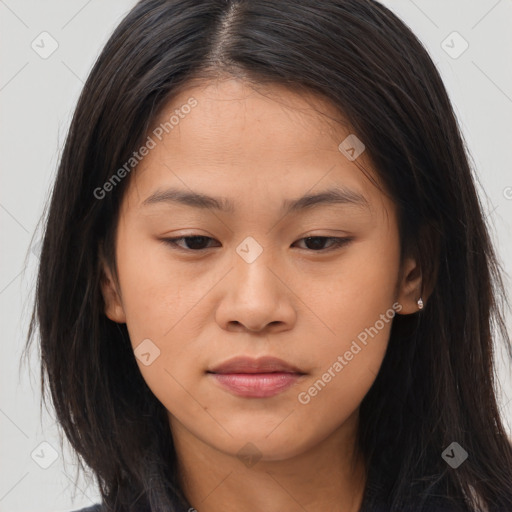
(37, 97)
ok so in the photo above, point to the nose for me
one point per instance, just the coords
(256, 298)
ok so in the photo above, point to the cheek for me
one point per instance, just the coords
(157, 300)
(348, 359)
(357, 310)
(165, 313)
(353, 294)
(155, 294)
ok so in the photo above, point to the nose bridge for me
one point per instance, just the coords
(251, 269)
(254, 297)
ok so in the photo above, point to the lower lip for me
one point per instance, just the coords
(256, 385)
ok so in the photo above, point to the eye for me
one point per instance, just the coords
(315, 243)
(196, 242)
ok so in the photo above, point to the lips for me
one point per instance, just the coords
(249, 365)
(255, 378)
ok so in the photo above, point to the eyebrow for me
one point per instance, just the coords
(337, 195)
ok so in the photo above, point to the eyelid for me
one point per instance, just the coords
(339, 242)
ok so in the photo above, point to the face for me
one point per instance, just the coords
(257, 272)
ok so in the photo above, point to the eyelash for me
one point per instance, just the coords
(338, 242)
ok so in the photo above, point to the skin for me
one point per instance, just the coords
(295, 301)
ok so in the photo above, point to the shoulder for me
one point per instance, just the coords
(92, 508)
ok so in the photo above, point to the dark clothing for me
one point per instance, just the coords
(97, 508)
(93, 508)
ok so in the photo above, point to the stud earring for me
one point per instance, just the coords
(420, 303)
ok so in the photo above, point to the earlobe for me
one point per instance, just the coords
(113, 305)
(410, 287)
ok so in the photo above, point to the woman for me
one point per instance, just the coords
(266, 282)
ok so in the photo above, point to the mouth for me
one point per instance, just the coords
(256, 378)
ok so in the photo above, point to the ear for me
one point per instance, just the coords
(409, 286)
(113, 304)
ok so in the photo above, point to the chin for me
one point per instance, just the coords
(261, 447)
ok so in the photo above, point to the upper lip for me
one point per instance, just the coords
(265, 364)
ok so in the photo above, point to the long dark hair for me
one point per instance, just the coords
(436, 383)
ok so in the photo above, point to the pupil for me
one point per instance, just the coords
(320, 241)
(195, 238)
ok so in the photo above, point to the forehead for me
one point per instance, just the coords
(234, 116)
(251, 144)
